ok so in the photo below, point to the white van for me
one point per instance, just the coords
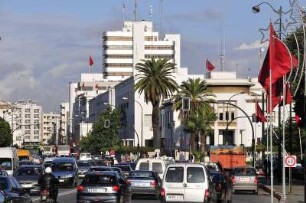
(152, 164)
(85, 156)
(185, 182)
(9, 160)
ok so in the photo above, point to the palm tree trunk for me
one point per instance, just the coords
(155, 126)
(203, 143)
(192, 141)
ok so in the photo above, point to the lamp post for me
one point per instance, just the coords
(141, 135)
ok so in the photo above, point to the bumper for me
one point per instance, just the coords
(66, 181)
(144, 191)
(90, 199)
(245, 187)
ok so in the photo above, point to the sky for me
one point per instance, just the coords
(46, 44)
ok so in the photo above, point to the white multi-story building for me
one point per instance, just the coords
(25, 119)
(80, 93)
(122, 50)
(64, 123)
(51, 128)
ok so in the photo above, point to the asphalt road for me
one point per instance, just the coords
(68, 195)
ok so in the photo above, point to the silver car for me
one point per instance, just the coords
(244, 179)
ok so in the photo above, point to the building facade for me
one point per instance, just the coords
(51, 127)
(64, 135)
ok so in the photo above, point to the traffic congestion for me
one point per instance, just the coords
(104, 178)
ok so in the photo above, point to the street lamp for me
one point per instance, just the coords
(126, 98)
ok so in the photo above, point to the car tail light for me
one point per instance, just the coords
(206, 194)
(218, 187)
(256, 180)
(116, 188)
(162, 192)
(80, 188)
(153, 183)
(233, 179)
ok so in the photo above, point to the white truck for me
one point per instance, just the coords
(9, 160)
(63, 150)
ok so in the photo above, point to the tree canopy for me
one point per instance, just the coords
(5, 133)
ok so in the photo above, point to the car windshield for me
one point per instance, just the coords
(103, 180)
(62, 166)
(123, 167)
(5, 163)
(29, 172)
(244, 172)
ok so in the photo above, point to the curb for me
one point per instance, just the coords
(276, 194)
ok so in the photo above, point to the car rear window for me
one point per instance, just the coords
(29, 172)
(195, 175)
(62, 166)
(144, 166)
(175, 175)
(142, 174)
(244, 172)
(157, 167)
(124, 168)
(100, 169)
(103, 180)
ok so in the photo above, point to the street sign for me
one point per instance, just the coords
(290, 161)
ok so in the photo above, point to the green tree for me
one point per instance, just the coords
(156, 81)
(6, 138)
(200, 96)
(105, 132)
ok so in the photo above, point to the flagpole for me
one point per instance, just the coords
(271, 139)
(283, 147)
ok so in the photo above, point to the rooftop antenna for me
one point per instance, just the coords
(135, 10)
(161, 13)
(222, 55)
(151, 12)
(123, 11)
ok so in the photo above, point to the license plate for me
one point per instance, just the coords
(245, 179)
(141, 184)
(175, 197)
(61, 181)
(97, 190)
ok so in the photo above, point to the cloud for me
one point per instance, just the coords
(253, 45)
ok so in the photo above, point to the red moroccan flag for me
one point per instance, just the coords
(278, 60)
(90, 61)
(260, 117)
(209, 66)
(276, 92)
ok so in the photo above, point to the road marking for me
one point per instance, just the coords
(59, 194)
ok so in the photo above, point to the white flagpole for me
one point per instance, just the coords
(271, 139)
(283, 149)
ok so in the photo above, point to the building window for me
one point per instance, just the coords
(36, 137)
(221, 116)
(27, 132)
(27, 121)
(27, 127)
(27, 110)
(36, 121)
(36, 110)
(147, 121)
(36, 132)
(27, 115)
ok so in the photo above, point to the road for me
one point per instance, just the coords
(68, 195)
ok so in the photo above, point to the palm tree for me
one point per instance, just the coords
(196, 90)
(156, 81)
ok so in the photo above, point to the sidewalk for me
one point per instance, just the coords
(296, 195)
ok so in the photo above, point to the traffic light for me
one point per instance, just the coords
(186, 104)
(299, 109)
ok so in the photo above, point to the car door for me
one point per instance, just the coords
(194, 184)
(174, 183)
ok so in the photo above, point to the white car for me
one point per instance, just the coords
(185, 182)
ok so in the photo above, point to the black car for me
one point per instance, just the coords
(3, 197)
(105, 186)
(125, 168)
(83, 167)
(220, 187)
(13, 190)
(65, 169)
(28, 175)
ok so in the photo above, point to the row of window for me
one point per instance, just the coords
(118, 47)
(159, 47)
(121, 65)
(125, 38)
(117, 74)
(149, 56)
(29, 110)
(125, 56)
